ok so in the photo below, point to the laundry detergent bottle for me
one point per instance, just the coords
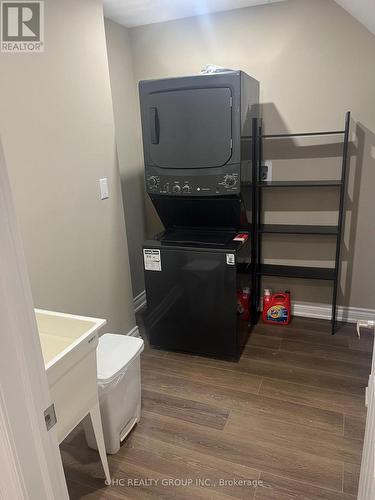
(276, 307)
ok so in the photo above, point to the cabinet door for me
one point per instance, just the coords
(190, 128)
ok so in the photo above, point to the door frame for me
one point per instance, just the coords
(30, 458)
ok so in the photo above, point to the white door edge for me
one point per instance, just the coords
(28, 452)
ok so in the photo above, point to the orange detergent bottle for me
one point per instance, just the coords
(276, 307)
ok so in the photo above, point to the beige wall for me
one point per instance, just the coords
(314, 62)
(129, 146)
(57, 128)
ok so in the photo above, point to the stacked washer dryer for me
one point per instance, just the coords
(198, 174)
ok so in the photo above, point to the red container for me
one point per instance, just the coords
(243, 303)
(276, 308)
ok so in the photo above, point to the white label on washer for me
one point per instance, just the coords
(230, 259)
(152, 259)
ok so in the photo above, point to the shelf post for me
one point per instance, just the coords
(259, 214)
(340, 220)
(254, 218)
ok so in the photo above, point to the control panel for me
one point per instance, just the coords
(228, 183)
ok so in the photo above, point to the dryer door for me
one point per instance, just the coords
(189, 128)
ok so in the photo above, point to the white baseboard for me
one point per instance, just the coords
(324, 311)
(134, 332)
(139, 301)
(305, 309)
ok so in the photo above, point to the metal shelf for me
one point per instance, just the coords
(296, 229)
(303, 134)
(319, 273)
(330, 183)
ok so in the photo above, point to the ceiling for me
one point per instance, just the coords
(362, 10)
(138, 12)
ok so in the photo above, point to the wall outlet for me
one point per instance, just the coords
(266, 171)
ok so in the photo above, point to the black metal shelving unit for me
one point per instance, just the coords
(320, 273)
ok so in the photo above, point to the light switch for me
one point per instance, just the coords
(104, 193)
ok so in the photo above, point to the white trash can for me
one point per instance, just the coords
(119, 387)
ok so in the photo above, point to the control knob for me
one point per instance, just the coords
(230, 181)
(186, 188)
(152, 181)
(176, 188)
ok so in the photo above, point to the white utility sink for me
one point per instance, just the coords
(69, 350)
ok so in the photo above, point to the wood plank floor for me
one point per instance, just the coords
(287, 420)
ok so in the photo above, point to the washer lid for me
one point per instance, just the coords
(114, 353)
